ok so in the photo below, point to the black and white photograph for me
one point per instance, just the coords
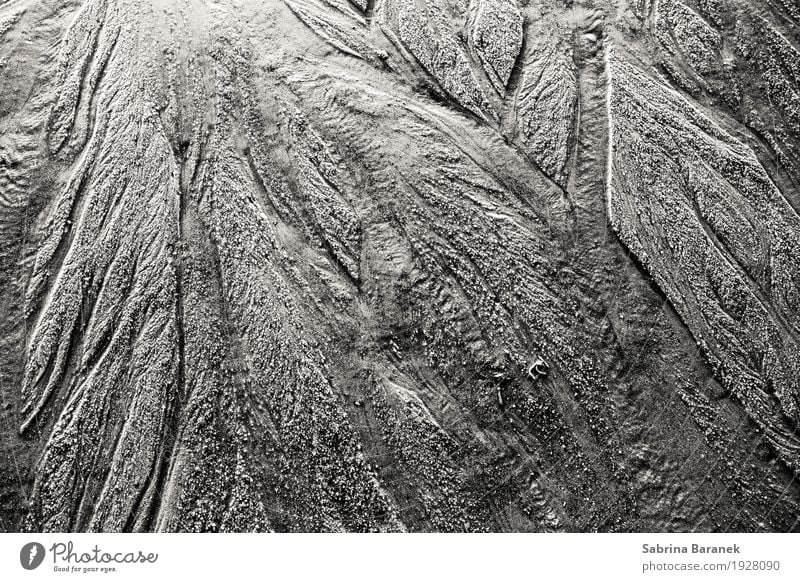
(430, 267)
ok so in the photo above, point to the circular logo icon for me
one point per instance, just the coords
(31, 555)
